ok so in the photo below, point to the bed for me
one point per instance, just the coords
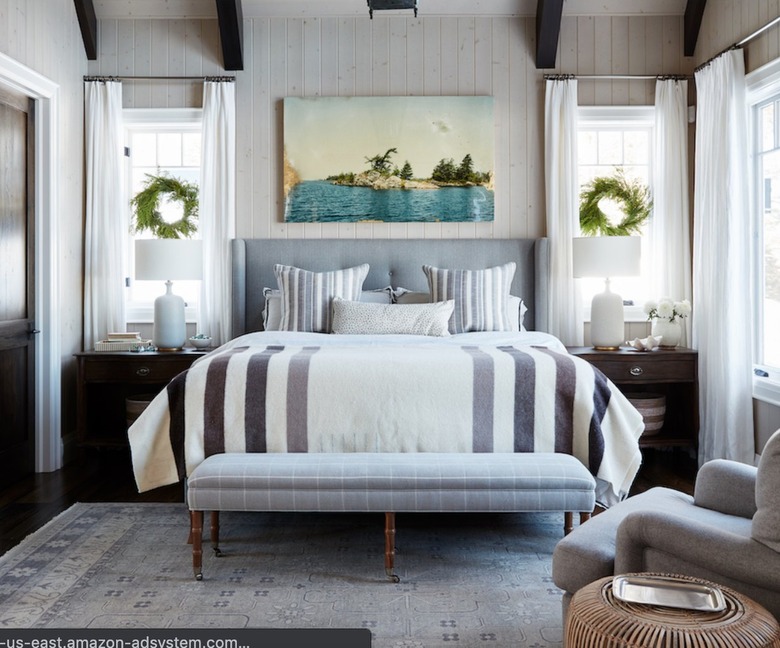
(462, 390)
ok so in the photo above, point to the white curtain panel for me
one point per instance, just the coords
(670, 237)
(562, 202)
(106, 223)
(217, 206)
(722, 326)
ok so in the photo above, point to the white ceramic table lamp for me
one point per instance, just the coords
(168, 259)
(607, 256)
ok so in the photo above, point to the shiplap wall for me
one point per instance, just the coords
(45, 37)
(727, 22)
(355, 56)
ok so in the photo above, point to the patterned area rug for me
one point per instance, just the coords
(466, 580)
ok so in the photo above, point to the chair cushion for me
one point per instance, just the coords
(766, 521)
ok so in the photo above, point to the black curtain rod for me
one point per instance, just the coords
(740, 44)
(615, 77)
(160, 78)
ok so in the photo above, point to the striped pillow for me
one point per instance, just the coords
(480, 296)
(307, 296)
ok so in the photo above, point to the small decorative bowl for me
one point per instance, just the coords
(200, 342)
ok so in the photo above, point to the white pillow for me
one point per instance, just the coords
(480, 296)
(516, 307)
(272, 311)
(307, 296)
(358, 318)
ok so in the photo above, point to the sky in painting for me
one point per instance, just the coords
(325, 136)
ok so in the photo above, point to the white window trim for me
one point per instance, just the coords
(618, 117)
(762, 84)
(157, 119)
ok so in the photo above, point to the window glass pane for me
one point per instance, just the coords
(169, 149)
(143, 149)
(191, 149)
(771, 258)
(587, 147)
(636, 147)
(611, 147)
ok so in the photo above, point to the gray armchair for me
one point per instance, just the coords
(728, 533)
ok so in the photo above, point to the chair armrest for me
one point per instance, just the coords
(702, 546)
(726, 486)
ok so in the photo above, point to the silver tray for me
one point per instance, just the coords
(669, 592)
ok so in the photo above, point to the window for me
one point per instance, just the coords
(612, 137)
(764, 105)
(157, 141)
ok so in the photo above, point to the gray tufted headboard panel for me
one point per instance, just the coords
(394, 262)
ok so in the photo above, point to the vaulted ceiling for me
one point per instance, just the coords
(230, 15)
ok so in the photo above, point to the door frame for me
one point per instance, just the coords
(48, 362)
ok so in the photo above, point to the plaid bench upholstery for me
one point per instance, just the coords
(386, 482)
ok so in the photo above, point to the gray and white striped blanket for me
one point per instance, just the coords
(468, 398)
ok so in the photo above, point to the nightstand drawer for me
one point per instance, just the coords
(133, 371)
(642, 370)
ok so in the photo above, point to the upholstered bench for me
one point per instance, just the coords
(385, 482)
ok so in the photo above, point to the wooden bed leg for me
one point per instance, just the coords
(196, 533)
(390, 547)
(584, 517)
(215, 533)
(568, 522)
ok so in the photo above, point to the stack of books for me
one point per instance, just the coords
(120, 341)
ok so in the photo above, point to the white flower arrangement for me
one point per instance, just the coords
(667, 309)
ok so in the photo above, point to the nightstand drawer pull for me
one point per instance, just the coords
(143, 371)
(636, 371)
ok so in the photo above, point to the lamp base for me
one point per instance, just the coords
(607, 326)
(170, 332)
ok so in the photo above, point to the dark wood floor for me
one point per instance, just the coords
(106, 476)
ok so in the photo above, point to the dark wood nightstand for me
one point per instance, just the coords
(672, 372)
(106, 379)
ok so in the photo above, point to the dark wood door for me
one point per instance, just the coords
(17, 348)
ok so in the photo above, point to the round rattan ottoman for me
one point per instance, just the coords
(598, 619)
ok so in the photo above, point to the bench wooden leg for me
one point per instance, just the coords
(390, 547)
(196, 533)
(215, 533)
(568, 522)
(584, 517)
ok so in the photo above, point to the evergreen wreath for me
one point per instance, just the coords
(633, 196)
(146, 205)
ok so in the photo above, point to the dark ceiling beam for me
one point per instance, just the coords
(694, 12)
(85, 11)
(548, 28)
(231, 33)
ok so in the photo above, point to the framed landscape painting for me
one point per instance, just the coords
(388, 159)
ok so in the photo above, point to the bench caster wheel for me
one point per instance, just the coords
(199, 577)
(218, 552)
(394, 578)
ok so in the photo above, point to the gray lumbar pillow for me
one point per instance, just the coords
(766, 521)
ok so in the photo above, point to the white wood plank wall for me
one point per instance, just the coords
(727, 22)
(389, 56)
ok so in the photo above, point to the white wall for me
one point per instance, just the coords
(391, 55)
(45, 37)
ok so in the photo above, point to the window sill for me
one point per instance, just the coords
(767, 390)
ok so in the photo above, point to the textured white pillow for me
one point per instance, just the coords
(307, 296)
(480, 296)
(516, 307)
(358, 318)
(272, 311)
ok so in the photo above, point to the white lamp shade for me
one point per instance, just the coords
(165, 259)
(607, 256)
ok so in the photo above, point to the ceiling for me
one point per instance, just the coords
(231, 14)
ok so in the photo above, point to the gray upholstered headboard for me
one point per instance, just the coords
(393, 262)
